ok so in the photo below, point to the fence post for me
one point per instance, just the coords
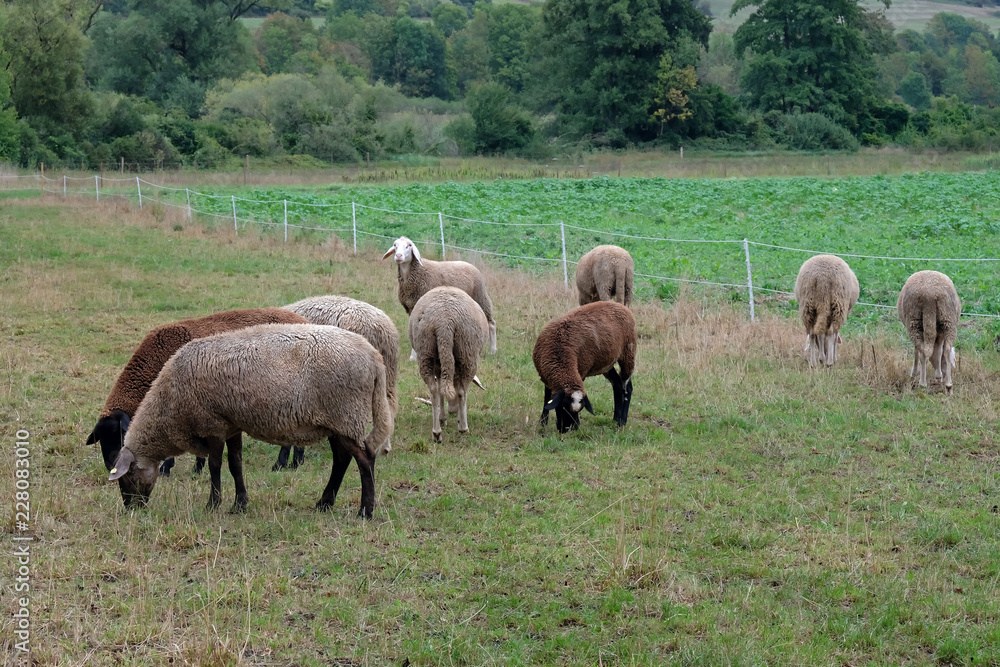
(139, 188)
(235, 226)
(354, 226)
(187, 193)
(441, 222)
(286, 220)
(746, 250)
(562, 230)
(97, 187)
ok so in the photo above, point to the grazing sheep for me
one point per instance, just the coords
(826, 290)
(448, 331)
(287, 384)
(417, 276)
(586, 341)
(929, 306)
(605, 274)
(146, 362)
(361, 318)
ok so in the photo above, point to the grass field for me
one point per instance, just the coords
(751, 512)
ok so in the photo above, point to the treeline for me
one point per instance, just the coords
(187, 82)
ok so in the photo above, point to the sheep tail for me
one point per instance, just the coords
(377, 441)
(446, 355)
(930, 321)
(623, 286)
(822, 322)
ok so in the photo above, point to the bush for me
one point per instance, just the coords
(813, 131)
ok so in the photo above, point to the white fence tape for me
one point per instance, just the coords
(354, 230)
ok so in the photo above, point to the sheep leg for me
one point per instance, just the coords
(937, 358)
(215, 448)
(544, 419)
(298, 456)
(626, 399)
(341, 460)
(437, 409)
(282, 461)
(166, 466)
(366, 466)
(618, 390)
(234, 453)
(916, 361)
(493, 337)
(831, 349)
(463, 417)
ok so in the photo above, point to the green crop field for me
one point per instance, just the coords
(751, 511)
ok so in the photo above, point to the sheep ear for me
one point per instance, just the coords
(125, 460)
(389, 251)
(123, 422)
(555, 400)
(586, 403)
(478, 382)
(416, 253)
(92, 438)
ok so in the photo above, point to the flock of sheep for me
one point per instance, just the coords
(327, 366)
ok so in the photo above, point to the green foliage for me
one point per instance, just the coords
(601, 60)
(814, 131)
(170, 51)
(809, 57)
(499, 126)
(914, 91)
(449, 18)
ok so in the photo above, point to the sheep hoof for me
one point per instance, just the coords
(367, 515)
(324, 506)
(213, 504)
(239, 507)
(437, 436)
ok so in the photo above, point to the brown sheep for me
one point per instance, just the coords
(586, 341)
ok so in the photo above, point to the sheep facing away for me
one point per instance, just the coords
(929, 307)
(147, 360)
(605, 274)
(586, 341)
(448, 331)
(363, 319)
(416, 276)
(826, 290)
(289, 385)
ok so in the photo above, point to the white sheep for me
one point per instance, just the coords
(605, 274)
(586, 341)
(289, 385)
(448, 331)
(363, 319)
(417, 276)
(929, 307)
(826, 290)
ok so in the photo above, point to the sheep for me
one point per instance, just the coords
(419, 276)
(146, 362)
(826, 290)
(929, 307)
(287, 384)
(448, 331)
(586, 341)
(605, 274)
(361, 318)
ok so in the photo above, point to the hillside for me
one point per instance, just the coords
(903, 13)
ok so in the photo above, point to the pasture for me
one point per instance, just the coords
(750, 512)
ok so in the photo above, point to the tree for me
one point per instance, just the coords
(915, 92)
(498, 125)
(672, 86)
(982, 76)
(171, 51)
(449, 18)
(44, 51)
(9, 136)
(810, 56)
(601, 59)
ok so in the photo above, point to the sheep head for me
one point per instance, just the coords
(110, 432)
(568, 407)
(136, 478)
(404, 249)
